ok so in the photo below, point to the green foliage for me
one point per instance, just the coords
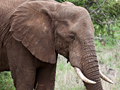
(6, 82)
(113, 8)
(109, 42)
(106, 17)
(60, 0)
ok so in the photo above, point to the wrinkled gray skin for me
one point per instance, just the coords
(33, 32)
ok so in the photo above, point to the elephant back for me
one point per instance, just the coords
(7, 7)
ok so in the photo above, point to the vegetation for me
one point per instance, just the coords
(6, 82)
(105, 15)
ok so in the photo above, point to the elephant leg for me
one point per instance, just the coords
(46, 77)
(23, 79)
(22, 66)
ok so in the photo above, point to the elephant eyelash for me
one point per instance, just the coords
(72, 37)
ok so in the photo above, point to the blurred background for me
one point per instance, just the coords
(105, 15)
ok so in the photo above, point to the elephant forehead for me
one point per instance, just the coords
(83, 23)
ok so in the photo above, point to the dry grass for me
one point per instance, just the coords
(66, 79)
(110, 65)
(109, 62)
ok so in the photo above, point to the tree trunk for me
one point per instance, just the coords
(108, 31)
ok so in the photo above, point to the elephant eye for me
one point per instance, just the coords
(72, 37)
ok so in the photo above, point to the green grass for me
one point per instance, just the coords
(66, 78)
(109, 61)
(6, 82)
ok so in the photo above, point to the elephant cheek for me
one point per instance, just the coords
(75, 55)
(75, 60)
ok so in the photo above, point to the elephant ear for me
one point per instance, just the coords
(32, 26)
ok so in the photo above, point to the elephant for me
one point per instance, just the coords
(34, 32)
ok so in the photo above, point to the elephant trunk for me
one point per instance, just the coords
(91, 71)
(88, 69)
(90, 65)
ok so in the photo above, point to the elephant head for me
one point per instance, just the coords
(48, 27)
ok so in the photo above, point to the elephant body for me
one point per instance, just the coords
(26, 69)
(5, 13)
(33, 32)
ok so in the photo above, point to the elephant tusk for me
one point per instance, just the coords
(80, 74)
(105, 78)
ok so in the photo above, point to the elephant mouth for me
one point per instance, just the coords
(85, 79)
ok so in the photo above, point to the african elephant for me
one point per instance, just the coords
(34, 32)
